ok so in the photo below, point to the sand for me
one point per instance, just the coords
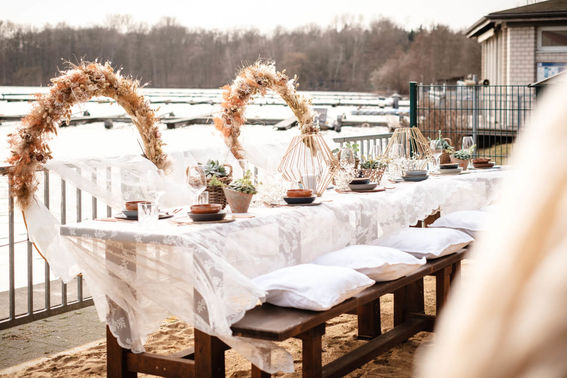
(174, 335)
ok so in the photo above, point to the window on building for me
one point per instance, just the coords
(553, 38)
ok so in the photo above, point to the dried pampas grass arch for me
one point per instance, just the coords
(308, 153)
(29, 143)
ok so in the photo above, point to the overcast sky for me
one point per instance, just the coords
(261, 14)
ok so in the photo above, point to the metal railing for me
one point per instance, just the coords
(18, 304)
(366, 142)
(492, 114)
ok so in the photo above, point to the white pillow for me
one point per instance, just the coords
(427, 242)
(312, 287)
(469, 221)
(378, 263)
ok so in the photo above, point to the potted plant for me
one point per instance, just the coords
(217, 175)
(374, 168)
(462, 157)
(239, 193)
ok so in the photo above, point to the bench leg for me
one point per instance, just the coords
(116, 365)
(369, 320)
(408, 300)
(209, 356)
(311, 350)
(455, 273)
(442, 285)
(257, 373)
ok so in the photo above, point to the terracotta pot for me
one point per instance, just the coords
(462, 163)
(238, 201)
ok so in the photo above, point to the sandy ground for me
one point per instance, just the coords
(174, 335)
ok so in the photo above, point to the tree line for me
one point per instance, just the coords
(346, 56)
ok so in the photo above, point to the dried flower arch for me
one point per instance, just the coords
(251, 80)
(80, 83)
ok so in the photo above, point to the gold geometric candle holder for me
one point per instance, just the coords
(414, 147)
(308, 155)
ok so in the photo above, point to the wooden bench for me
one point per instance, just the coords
(268, 322)
(275, 323)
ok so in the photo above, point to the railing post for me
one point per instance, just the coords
(476, 113)
(413, 103)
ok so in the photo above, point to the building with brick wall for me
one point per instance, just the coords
(523, 45)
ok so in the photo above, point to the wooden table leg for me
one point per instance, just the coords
(209, 356)
(369, 320)
(455, 273)
(116, 365)
(311, 351)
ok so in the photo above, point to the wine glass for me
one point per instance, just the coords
(197, 180)
(398, 155)
(468, 144)
(436, 146)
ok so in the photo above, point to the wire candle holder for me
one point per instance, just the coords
(414, 152)
(308, 156)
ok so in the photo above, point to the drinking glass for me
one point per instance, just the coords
(468, 142)
(436, 146)
(197, 181)
(398, 156)
(148, 214)
(203, 198)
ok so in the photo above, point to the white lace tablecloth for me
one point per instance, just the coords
(201, 273)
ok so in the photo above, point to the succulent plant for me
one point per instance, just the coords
(243, 184)
(214, 169)
(214, 181)
(464, 154)
(374, 163)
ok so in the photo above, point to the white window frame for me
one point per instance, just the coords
(550, 48)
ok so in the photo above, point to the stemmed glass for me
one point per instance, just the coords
(436, 146)
(398, 155)
(197, 180)
(467, 143)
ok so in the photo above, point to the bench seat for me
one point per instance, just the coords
(269, 322)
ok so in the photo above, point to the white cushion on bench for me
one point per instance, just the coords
(427, 242)
(378, 263)
(469, 221)
(312, 287)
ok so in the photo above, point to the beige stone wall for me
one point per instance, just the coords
(521, 55)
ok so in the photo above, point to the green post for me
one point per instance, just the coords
(413, 103)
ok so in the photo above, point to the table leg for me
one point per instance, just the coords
(257, 373)
(209, 355)
(116, 366)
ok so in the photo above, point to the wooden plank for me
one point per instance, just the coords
(286, 124)
(174, 123)
(374, 347)
(188, 353)
(116, 361)
(275, 323)
(165, 366)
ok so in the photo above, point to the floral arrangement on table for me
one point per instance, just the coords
(257, 79)
(29, 143)
(446, 148)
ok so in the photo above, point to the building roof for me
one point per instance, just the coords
(552, 10)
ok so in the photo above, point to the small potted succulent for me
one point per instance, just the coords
(463, 157)
(374, 168)
(239, 193)
(217, 174)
